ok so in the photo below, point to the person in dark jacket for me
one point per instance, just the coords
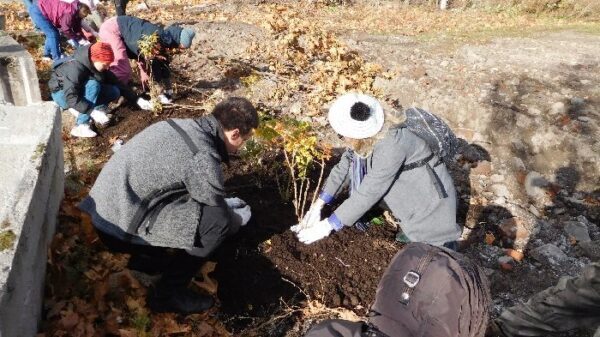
(54, 16)
(84, 85)
(124, 33)
(373, 168)
(574, 303)
(426, 291)
(161, 198)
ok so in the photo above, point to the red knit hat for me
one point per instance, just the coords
(101, 52)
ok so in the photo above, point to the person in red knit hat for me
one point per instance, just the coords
(84, 85)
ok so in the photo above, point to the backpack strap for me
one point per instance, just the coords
(437, 182)
(372, 331)
(184, 135)
(418, 163)
(412, 278)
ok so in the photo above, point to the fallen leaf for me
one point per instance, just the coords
(69, 320)
(515, 254)
(127, 333)
(208, 284)
(489, 238)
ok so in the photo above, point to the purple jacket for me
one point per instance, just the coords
(63, 16)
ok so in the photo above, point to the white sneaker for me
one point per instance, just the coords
(73, 112)
(163, 99)
(83, 131)
(99, 117)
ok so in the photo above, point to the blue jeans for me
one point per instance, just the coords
(52, 44)
(95, 93)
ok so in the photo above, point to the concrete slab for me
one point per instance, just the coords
(32, 176)
(18, 77)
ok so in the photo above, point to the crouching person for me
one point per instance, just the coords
(161, 199)
(426, 291)
(385, 164)
(124, 34)
(84, 85)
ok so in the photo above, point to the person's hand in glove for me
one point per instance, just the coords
(244, 212)
(83, 42)
(235, 202)
(163, 99)
(73, 43)
(144, 104)
(311, 217)
(315, 232)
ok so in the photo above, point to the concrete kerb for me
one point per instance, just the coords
(32, 176)
(18, 76)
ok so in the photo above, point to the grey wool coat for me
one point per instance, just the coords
(411, 195)
(153, 189)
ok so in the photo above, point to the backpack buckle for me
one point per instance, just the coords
(411, 279)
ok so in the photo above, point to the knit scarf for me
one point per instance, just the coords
(359, 169)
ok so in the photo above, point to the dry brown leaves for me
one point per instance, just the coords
(90, 292)
(15, 20)
(309, 60)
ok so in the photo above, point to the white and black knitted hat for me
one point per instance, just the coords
(356, 116)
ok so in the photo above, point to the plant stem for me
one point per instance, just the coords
(314, 198)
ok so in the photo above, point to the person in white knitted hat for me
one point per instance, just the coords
(382, 165)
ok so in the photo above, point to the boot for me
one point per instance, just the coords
(180, 300)
(147, 264)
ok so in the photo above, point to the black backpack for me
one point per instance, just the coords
(434, 131)
(440, 138)
(431, 291)
(426, 291)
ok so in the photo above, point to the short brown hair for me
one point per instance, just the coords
(83, 9)
(236, 113)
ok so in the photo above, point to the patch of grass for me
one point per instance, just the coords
(7, 239)
(141, 323)
(39, 151)
(249, 80)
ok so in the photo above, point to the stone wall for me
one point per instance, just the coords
(18, 77)
(31, 189)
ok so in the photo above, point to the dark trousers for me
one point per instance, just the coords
(176, 265)
(121, 6)
(571, 304)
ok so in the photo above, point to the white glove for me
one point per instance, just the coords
(83, 42)
(235, 202)
(99, 117)
(163, 99)
(244, 213)
(144, 104)
(73, 43)
(315, 232)
(311, 217)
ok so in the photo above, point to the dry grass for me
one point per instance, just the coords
(468, 24)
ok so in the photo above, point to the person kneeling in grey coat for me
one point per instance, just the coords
(377, 168)
(161, 199)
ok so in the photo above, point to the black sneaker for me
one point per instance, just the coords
(150, 265)
(179, 300)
